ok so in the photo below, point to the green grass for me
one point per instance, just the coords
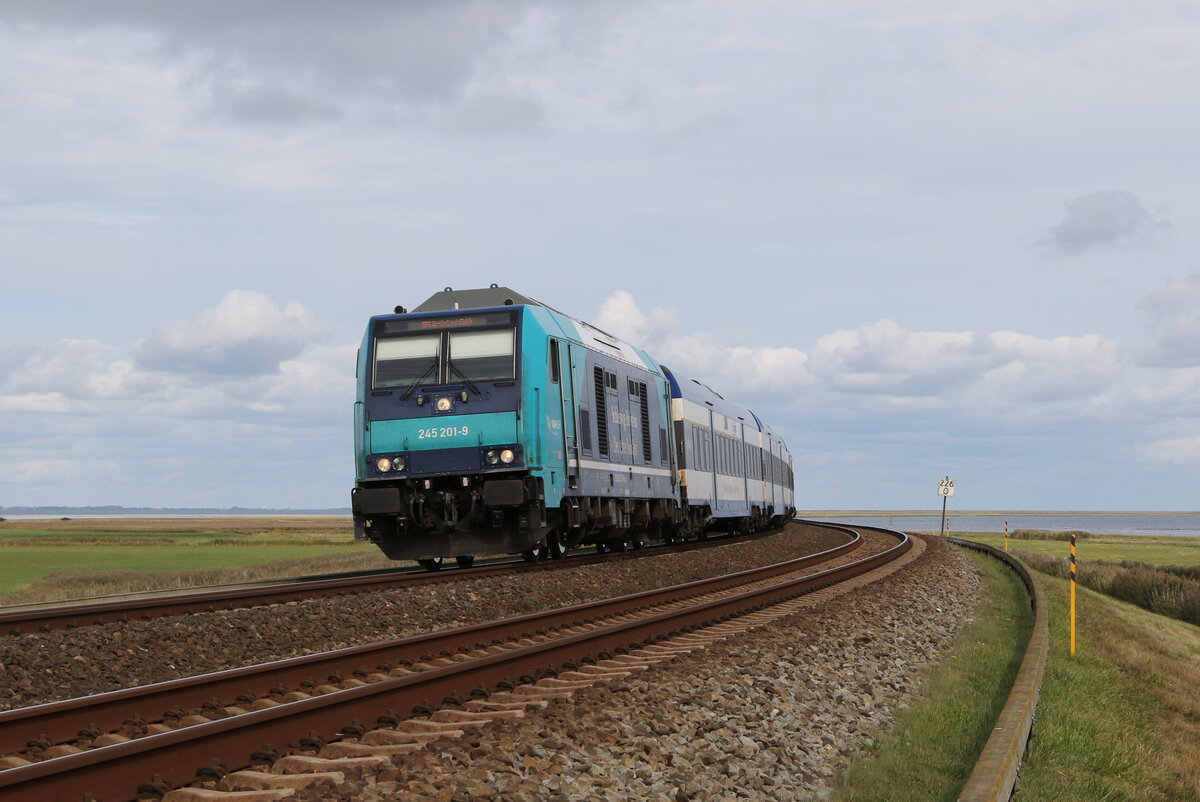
(1145, 548)
(46, 560)
(932, 749)
(1121, 719)
(22, 565)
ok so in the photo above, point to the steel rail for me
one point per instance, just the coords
(110, 772)
(61, 721)
(995, 774)
(45, 619)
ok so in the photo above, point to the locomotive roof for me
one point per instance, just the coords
(451, 299)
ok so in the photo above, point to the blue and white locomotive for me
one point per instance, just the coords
(489, 423)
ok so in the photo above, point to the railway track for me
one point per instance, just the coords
(217, 725)
(87, 613)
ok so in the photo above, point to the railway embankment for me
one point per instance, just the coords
(42, 667)
(1118, 720)
(1121, 718)
(643, 630)
(939, 738)
(773, 714)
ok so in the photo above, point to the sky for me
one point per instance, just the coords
(920, 239)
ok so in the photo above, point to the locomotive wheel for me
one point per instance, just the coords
(534, 554)
(431, 563)
(601, 548)
(555, 546)
(465, 560)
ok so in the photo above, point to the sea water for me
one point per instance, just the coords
(1096, 523)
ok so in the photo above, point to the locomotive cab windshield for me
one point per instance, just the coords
(466, 350)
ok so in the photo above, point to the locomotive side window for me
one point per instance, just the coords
(481, 356)
(400, 361)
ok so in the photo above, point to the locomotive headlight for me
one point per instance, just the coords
(492, 457)
(383, 464)
(443, 404)
(507, 456)
(398, 463)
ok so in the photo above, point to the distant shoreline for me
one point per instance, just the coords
(117, 512)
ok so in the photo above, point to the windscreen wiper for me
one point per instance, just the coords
(463, 376)
(420, 379)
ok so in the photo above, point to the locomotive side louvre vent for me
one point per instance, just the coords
(601, 411)
(585, 430)
(662, 445)
(647, 455)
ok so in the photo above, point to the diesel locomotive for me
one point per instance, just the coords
(489, 423)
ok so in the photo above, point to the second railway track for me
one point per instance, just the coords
(46, 618)
(111, 743)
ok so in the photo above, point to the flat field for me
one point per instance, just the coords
(44, 560)
(1156, 550)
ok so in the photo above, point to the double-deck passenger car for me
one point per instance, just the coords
(735, 473)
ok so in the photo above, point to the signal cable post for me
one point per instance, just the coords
(1072, 593)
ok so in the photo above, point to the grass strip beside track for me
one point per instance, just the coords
(1121, 719)
(932, 749)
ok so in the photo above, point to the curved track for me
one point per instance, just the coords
(277, 703)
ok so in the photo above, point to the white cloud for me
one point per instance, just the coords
(246, 356)
(1174, 311)
(620, 315)
(1167, 391)
(1176, 451)
(882, 364)
(699, 355)
(78, 368)
(883, 357)
(35, 402)
(36, 469)
(245, 334)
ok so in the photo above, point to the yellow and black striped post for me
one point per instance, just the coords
(1006, 535)
(1072, 593)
